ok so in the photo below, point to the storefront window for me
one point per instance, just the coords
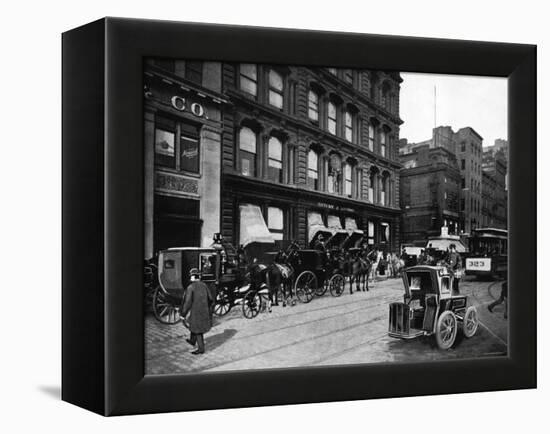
(313, 169)
(189, 148)
(249, 78)
(275, 160)
(275, 89)
(247, 147)
(370, 233)
(165, 147)
(275, 222)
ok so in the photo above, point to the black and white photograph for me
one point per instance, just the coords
(317, 216)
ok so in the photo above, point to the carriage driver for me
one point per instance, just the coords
(320, 243)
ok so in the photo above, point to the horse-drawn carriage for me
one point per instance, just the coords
(432, 305)
(228, 284)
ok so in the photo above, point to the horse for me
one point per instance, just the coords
(360, 269)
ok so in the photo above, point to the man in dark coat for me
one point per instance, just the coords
(502, 299)
(455, 264)
(196, 303)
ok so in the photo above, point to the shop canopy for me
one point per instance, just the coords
(338, 233)
(253, 228)
(315, 226)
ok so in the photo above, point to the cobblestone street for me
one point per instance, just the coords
(350, 329)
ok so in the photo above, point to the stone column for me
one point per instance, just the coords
(209, 184)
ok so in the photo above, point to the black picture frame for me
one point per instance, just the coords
(102, 300)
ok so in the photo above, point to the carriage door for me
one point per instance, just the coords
(177, 222)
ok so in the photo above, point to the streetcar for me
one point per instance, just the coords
(488, 253)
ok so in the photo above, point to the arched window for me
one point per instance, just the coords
(371, 138)
(275, 159)
(249, 78)
(313, 105)
(313, 169)
(247, 148)
(348, 180)
(331, 118)
(276, 89)
(348, 126)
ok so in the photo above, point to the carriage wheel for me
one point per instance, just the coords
(321, 289)
(445, 332)
(305, 286)
(470, 322)
(251, 304)
(222, 303)
(164, 309)
(336, 285)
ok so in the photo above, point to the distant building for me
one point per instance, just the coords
(494, 190)
(430, 192)
(469, 155)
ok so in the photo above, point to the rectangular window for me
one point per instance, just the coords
(348, 182)
(193, 71)
(331, 124)
(332, 71)
(463, 183)
(313, 170)
(313, 106)
(348, 126)
(189, 148)
(275, 160)
(247, 151)
(165, 147)
(249, 78)
(383, 143)
(276, 87)
(371, 138)
(463, 164)
(463, 147)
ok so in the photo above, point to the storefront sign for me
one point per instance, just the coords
(181, 104)
(335, 207)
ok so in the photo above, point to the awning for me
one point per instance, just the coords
(443, 244)
(315, 225)
(252, 226)
(338, 233)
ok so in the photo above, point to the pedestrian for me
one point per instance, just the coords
(197, 303)
(502, 299)
(454, 263)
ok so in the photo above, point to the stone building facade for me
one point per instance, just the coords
(310, 147)
(183, 127)
(494, 189)
(430, 193)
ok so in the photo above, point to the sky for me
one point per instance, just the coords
(461, 101)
